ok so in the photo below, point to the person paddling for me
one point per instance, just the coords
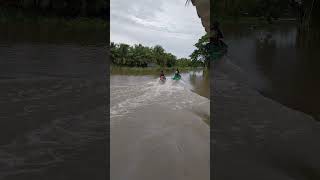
(177, 72)
(177, 75)
(162, 77)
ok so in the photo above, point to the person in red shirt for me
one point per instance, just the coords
(162, 77)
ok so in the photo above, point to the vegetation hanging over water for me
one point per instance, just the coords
(305, 11)
(201, 53)
(264, 9)
(35, 10)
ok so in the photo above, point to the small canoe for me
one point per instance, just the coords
(176, 77)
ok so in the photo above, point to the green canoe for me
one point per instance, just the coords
(176, 77)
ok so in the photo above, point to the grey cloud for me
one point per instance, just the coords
(167, 23)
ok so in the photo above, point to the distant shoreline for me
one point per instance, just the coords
(20, 16)
(255, 20)
(119, 69)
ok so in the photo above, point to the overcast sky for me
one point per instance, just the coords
(168, 23)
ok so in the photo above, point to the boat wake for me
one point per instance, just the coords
(171, 94)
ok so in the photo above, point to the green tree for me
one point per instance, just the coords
(140, 56)
(201, 53)
(170, 60)
(114, 54)
(158, 53)
(124, 53)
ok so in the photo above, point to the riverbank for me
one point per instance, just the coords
(254, 20)
(118, 70)
(19, 16)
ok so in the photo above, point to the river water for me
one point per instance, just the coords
(159, 130)
(53, 99)
(265, 95)
(280, 62)
(130, 90)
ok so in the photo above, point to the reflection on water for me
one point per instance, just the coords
(200, 82)
(281, 61)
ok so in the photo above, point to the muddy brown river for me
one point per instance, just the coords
(264, 108)
(159, 130)
(53, 102)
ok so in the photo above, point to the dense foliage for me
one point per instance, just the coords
(201, 53)
(305, 11)
(67, 8)
(142, 56)
(269, 9)
(185, 62)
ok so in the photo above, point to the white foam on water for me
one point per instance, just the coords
(172, 94)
